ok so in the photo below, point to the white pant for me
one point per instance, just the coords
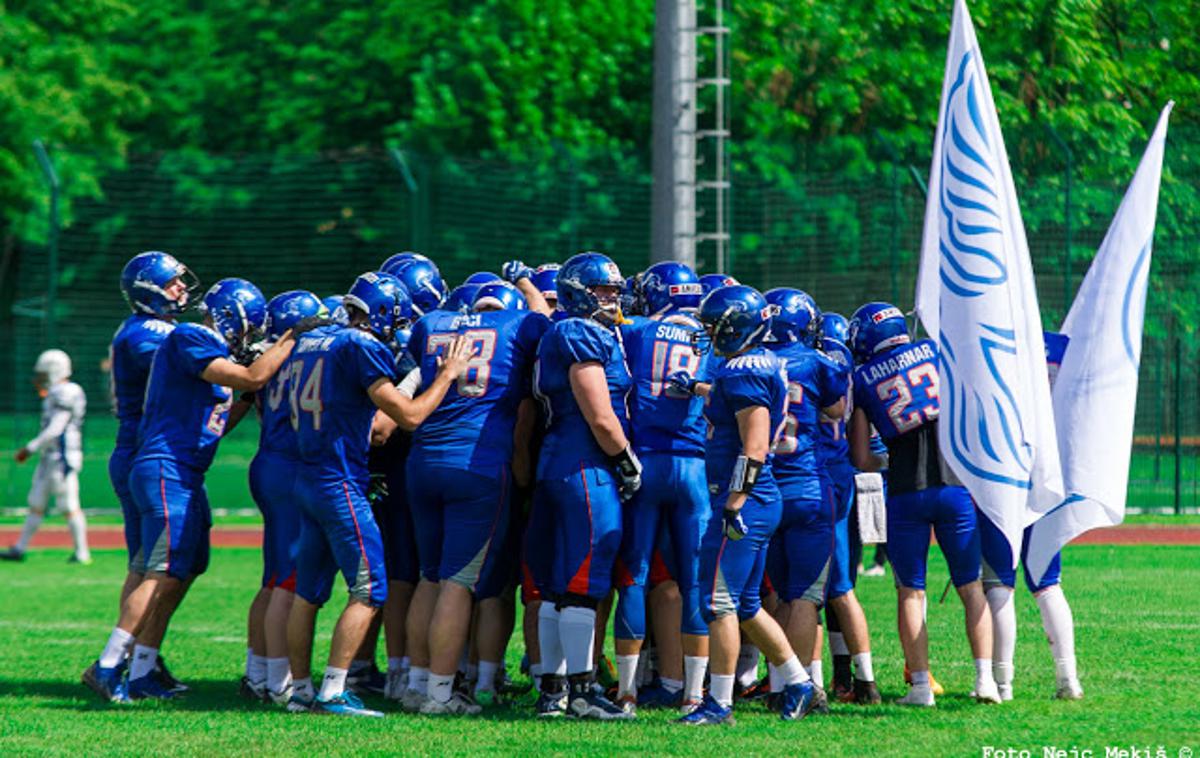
(49, 480)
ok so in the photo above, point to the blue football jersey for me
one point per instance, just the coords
(1056, 348)
(569, 439)
(833, 449)
(184, 416)
(813, 383)
(474, 423)
(898, 389)
(276, 434)
(664, 420)
(130, 355)
(331, 368)
(755, 378)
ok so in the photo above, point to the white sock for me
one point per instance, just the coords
(116, 647)
(487, 675)
(671, 685)
(920, 679)
(577, 629)
(256, 671)
(303, 688)
(627, 666)
(418, 678)
(837, 644)
(694, 667)
(334, 683)
(549, 642)
(747, 665)
(983, 671)
(792, 671)
(773, 678)
(439, 687)
(816, 672)
(1004, 632)
(33, 520)
(1060, 630)
(720, 686)
(864, 670)
(142, 662)
(278, 672)
(78, 526)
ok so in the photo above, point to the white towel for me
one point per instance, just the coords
(872, 508)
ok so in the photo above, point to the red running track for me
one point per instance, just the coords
(113, 537)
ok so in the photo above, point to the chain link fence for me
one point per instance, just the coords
(316, 221)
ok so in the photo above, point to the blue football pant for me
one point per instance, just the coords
(175, 517)
(673, 500)
(998, 564)
(272, 481)
(843, 571)
(951, 513)
(587, 530)
(731, 572)
(337, 533)
(799, 555)
(119, 464)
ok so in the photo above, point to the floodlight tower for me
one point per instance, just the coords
(690, 202)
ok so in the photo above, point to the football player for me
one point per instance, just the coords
(849, 637)
(272, 472)
(745, 404)
(586, 469)
(668, 430)
(460, 471)
(60, 443)
(157, 288)
(799, 558)
(338, 377)
(896, 391)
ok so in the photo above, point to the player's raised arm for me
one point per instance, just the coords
(409, 413)
(521, 277)
(252, 378)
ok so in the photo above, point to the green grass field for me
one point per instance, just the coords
(1137, 640)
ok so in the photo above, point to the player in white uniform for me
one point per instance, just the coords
(60, 444)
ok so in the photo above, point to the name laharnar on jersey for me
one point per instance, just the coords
(922, 351)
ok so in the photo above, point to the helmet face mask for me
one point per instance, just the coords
(156, 284)
(236, 309)
(381, 303)
(589, 286)
(736, 318)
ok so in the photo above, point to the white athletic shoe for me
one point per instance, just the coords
(457, 705)
(283, 696)
(1069, 689)
(918, 696)
(412, 701)
(988, 692)
(1006, 692)
(875, 570)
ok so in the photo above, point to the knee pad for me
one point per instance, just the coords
(571, 599)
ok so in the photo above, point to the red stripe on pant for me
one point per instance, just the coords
(579, 583)
(362, 550)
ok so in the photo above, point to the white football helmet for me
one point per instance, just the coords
(55, 365)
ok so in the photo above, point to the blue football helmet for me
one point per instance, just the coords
(499, 296)
(632, 303)
(384, 300)
(544, 278)
(577, 282)
(835, 335)
(797, 318)
(710, 282)
(337, 311)
(423, 281)
(735, 318)
(398, 260)
(482, 277)
(402, 359)
(461, 298)
(144, 282)
(287, 309)
(237, 310)
(875, 327)
(670, 285)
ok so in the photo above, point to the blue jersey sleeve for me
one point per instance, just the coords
(197, 348)
(584, 341)
(748, 390)
(834, 381)
(416, 342)
(372, 361)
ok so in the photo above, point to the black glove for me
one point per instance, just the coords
(629, 472)
(377, 490)
(735, 527)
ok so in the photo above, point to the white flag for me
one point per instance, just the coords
(1095, 392)
(976, 297)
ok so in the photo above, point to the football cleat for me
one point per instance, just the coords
(108, 683)
(85, 560)
(797, 701)
(412, 700)
(251, 691)
(986, 692)
(820, 701)
(875, 570)
(12, 554)
(934, 685)
(918, 696)
(657, 696)
(689, 705)
(299, 704)
(591, 705)
(164, 677)
(710, 713)
(628, 703)
(367, 681)
(149, 687)
(552, 705)
(758, 690)
(1069, 689)
(606, 674)
(457, 705)
(283, 697)
(344, 704)
(1006, 692)
(866, 693)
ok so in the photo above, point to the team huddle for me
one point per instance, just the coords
(683, 443)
